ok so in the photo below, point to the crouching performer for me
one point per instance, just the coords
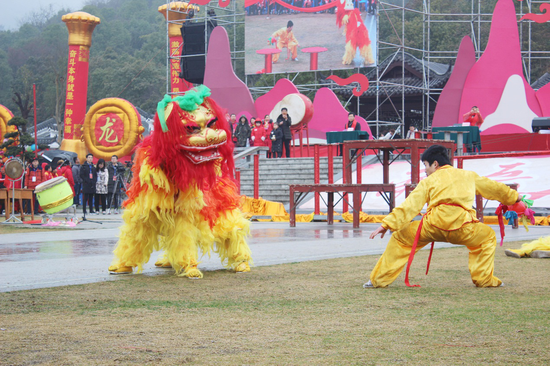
(450, 194)
(183, 197)
(539, 248)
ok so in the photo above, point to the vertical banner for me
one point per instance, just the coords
(77, 90)
(177, 85)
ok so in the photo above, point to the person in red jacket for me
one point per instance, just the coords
(474, 117)
(258, 134)
(48, 173)
(33, 177)
(64, 169)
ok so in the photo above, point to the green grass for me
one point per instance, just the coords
(312, 313)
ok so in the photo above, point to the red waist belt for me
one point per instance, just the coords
(413, 249)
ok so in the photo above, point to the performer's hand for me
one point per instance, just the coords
(381, 230)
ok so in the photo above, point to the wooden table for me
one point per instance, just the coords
(387, 191)
(20, 194)
(386, 146)
(4, 197)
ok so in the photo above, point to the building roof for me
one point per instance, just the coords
(542, 81)
(391, 84)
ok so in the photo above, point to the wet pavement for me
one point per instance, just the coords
(76, 256)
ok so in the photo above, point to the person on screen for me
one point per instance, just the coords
(285, 38)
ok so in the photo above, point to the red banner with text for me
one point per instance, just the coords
(77, 91)
(177, 84)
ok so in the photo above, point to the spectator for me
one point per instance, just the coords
(33, 177)
(64, 170)
(268, 126)
(259, 134)
(285, 122)
(242, 132)
(232, 125)
(88, 175)
(411, 133)
(116, 172)
(352, 124)
(276, 137)
(389, 135)
(77, 180)
(48, 172)
(101, 186)
(474, 117)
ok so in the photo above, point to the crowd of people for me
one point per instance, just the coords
(275, 135)
(96, 185)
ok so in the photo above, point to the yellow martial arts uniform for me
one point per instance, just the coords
(285, 39)
(450, 194)
(541, 244)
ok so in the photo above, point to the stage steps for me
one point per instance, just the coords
(277, 174)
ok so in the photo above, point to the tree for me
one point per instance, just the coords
(17, 141)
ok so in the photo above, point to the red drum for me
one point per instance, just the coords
(300, 109)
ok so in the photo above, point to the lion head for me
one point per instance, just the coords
(190, 140)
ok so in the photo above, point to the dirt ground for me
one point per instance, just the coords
(311, 313)
(311, 30)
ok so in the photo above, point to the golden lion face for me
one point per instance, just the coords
(203, 136)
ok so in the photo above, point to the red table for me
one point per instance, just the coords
(268, 52)
(313, 56)
(386, 146)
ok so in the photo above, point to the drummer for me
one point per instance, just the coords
(33, 177)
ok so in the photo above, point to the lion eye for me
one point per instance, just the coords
(212, 123)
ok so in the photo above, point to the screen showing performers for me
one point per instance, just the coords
(305, 35)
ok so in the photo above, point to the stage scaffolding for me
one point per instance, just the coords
(230, 17)
(476, 23)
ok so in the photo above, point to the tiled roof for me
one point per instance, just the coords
(437, 74)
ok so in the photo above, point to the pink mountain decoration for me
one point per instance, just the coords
(227, 89)
(543, 95)
(485, 82)
(265, 103)
(329, 115)
(448, 105)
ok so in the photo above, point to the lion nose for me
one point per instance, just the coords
(214, 136)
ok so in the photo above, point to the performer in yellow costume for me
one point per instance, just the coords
(183, 196)
(285, 38)
(539, 248)
(450, 194)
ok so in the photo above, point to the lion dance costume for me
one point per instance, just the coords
(183, 197)
(357, 35)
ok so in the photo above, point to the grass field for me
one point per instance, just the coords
(311, 313)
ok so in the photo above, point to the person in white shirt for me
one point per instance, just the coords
(411, 132)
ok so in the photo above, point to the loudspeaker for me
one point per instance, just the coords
(193, 35)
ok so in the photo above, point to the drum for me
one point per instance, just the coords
(300, 109)
(54, 195)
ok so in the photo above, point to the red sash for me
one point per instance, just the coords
(415, 243)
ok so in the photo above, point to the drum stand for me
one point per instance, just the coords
(85, 219)
(13, 219)
(70, 217)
